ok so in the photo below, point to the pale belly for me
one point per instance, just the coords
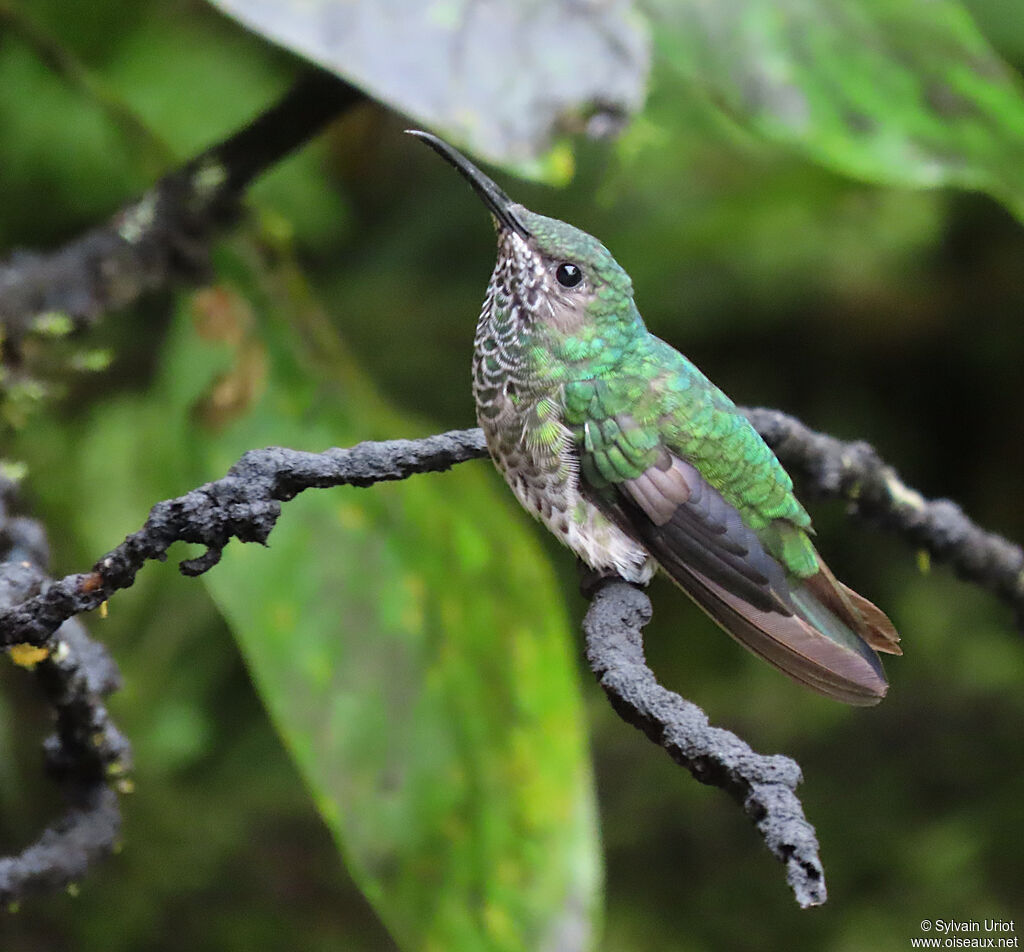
(546, 483)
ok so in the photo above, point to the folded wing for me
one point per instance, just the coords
(814, 629)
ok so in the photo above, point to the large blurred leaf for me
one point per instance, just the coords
(503, 77)
(408, 640)
(893, 91)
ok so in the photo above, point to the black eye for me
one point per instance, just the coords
(569, 275)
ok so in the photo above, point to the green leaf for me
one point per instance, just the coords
(408, 641)
(506, 79)
(901, 92)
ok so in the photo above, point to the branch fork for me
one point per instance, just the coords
(246, 503)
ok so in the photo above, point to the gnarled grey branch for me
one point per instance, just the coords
(86, 751)
(764, 785)
(246, 503)
(164, 237)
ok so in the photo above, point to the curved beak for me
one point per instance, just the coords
(495, 199)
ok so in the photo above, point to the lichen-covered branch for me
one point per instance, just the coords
(164, 237)
(765, 785)
(825, 466)
(64, 852)
(246, 503)
(86, 752)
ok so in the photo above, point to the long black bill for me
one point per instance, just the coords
(495, 199)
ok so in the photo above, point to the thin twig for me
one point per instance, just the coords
(165, 236)
(86, 751)
(764, 785)
(827, 467)
(244, 504)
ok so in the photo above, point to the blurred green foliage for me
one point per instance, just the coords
(887, 90)
(410, 647)
(878, 312)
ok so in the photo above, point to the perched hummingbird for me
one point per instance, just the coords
(635, 460)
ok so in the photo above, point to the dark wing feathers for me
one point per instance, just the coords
(701, 541)
(689, 525)
(660, 490)
(791, 644)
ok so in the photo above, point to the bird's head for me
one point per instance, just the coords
(550, 270)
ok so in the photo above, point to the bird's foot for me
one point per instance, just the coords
(592, 579)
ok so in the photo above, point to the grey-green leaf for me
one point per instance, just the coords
(504, 78)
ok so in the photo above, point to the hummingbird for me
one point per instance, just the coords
(636, 461)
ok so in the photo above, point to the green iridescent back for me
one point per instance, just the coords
(627, 396)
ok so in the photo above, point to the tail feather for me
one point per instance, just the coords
(813, 628)
(818, 651)
(865, 618)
